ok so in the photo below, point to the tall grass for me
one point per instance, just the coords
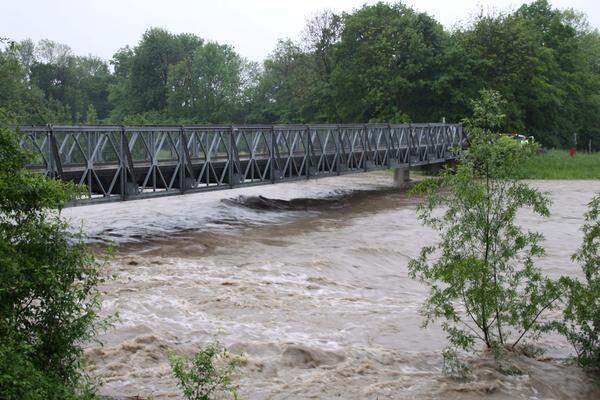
(558, 164)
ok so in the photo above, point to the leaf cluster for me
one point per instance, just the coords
(49, 300)
(207, 374)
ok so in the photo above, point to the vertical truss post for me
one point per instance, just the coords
(338, 151)
(307, 152)
(182, 160)
(90, 165)
(272, 155)
(49, 155)
(55, 155)
(409, 142)
(365, 139)
(230, 160)
(388, 143)
(430, 143)
(123, 162)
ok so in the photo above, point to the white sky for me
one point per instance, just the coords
(252, 27)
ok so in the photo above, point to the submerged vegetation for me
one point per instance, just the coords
(581, 315)
(483, 281)
(206, 375)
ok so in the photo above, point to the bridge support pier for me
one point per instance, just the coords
(401, 177)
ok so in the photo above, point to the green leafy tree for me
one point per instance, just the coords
(143, 71)
(19, 101)
(545, 63)
(207, 86)
(48, 278)
(285, 91)
(73, 81)
(207, 374)
(483, 282)
(388, 63)
(581, 316)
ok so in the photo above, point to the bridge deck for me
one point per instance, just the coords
(128, 162)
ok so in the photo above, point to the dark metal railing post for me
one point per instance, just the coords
(365, 138)
(49, 155)
(307, 152)
(272, 155)
(230, 157)
(410, 143)
(182, 160)
(430, 143)
(388, 140)
(338, 151)
(123, 161)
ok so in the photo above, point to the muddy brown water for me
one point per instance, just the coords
(309, 281)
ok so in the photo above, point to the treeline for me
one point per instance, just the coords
(380, 63)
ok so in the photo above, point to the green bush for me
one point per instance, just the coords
(207, 374)
(581, 316)
(48, 278)
(483, 282)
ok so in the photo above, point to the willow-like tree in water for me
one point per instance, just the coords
(484, 285)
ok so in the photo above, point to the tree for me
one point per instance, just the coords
(72, 81)
(581, 315)
(544, 62)
(321, 32)
(207, 86)
(483, 282)
(286, 88)
(145, 69)
(48, 278)
(388, 60)
(19, 101)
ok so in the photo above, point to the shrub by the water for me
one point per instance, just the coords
(207, 374)
(48, 278)
(581, 316)
(484, 285)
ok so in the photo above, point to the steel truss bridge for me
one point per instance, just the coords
(130, 162)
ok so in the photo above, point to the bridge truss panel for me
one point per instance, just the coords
(123, 162)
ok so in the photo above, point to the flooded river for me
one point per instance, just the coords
(310, 283)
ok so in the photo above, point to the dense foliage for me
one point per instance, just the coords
(48, 278)
(382, 62)
(581, 322)
(484, 285)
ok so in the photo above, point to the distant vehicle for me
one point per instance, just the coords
(521, 138)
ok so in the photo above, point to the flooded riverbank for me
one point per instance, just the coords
(310, 282)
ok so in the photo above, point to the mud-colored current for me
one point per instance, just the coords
(309, 281)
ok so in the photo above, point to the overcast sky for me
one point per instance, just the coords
(252, 27)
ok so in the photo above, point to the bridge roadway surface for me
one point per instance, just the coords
(131, 162)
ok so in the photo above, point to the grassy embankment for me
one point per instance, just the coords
(557, 164)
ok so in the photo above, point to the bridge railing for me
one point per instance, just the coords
(118, 162)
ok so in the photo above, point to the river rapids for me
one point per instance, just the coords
(308, 280)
